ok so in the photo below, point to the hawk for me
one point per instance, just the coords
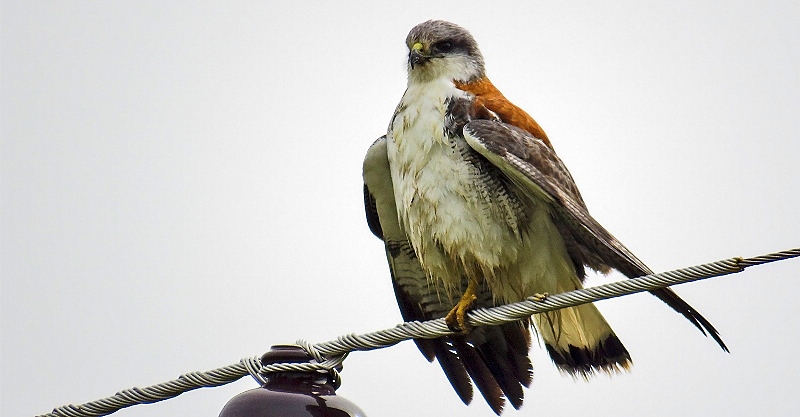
(476, 209)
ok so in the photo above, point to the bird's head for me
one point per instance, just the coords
(439, 49)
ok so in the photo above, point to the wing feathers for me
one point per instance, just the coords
(535, 167)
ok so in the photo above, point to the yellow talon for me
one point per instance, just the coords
(456, 319)
(539, 297)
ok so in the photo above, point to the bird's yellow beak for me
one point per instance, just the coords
(415, 56)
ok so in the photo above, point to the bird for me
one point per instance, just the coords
(475, 209)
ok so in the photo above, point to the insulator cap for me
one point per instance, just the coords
(291, 394)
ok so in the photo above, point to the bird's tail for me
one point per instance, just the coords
(580, 341)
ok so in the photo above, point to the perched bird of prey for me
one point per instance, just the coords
(476, 209)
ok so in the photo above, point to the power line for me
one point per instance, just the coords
(329, 355)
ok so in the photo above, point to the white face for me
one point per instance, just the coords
(454, 66)
(450, 55)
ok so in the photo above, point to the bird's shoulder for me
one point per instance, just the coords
(490, 103)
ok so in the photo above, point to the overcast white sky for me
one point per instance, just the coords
(181, 188)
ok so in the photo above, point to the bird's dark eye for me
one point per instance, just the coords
(443, 46)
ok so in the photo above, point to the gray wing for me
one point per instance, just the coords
(494, 358)
(537, 170)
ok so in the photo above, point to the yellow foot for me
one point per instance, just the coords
(539, 297)
(456, 319)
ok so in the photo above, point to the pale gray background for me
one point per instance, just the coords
(181, 188)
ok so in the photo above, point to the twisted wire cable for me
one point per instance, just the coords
(328, 356)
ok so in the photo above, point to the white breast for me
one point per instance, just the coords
(447, 219)
(455, 227)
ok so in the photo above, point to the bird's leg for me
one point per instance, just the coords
(457, 317)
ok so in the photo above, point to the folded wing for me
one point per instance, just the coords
(535, 168)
